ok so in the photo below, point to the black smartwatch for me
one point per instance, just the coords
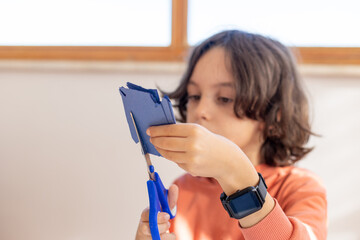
(245, 202)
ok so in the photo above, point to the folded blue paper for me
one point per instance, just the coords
(147, 110)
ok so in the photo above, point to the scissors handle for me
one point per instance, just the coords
(158, 203)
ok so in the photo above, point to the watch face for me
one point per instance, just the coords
(245, 204)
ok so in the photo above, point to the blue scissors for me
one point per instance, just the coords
(157, 192)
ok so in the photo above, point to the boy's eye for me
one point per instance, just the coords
(224, 100)
(193, 97)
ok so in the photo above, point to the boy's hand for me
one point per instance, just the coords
(203, 153)
(143, 231)
(194, 148)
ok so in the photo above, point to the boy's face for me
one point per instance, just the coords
(211, 92)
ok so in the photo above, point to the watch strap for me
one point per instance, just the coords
(261, 187)
(259, 191)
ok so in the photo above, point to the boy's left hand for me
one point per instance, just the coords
(197, 150)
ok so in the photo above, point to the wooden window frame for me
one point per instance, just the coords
(177, 50)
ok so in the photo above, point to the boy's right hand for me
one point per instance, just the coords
(143, 231)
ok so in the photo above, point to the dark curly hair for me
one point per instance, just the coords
(268, 89)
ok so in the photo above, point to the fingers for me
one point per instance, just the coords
(174, 130)
(161, 218)
(167, 130)
(173, 195)
(176, 144)
(144, 228)
(163, 223)
(145, 215)
(177, 157)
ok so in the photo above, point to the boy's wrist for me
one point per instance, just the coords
(237, 179)
(238, 172)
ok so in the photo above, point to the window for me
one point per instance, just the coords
(322, 32)
(306, 23)
(85, 23)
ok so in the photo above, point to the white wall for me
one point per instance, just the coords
(69, 169)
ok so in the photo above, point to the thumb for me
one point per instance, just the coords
(173, 195)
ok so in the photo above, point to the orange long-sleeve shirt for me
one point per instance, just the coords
(300, 210)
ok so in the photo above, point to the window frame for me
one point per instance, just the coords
(177, 50)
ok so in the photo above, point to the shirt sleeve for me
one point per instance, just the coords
(276, 225)
(302, 214)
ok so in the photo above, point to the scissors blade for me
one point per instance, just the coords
(146, 155)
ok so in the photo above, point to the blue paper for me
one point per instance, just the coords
(147, 110)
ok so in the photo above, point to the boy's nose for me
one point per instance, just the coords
(203, 110)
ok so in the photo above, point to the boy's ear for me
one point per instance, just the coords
(278, 119)
(262, 125)
(278, 116)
